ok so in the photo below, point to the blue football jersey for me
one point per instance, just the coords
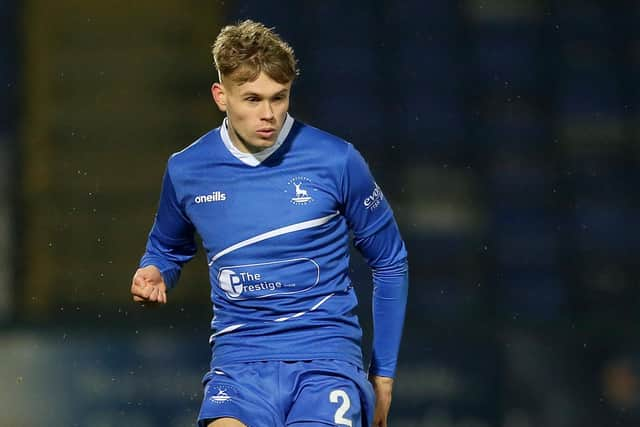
(276, 227)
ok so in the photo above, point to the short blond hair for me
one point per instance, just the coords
(242, 51)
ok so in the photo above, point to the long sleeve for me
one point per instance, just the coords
(386, 254)
(171, 240)
(377, 237)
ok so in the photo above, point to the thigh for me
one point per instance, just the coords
(331, 393)
(240, 393)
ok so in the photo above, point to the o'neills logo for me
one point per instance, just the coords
(216, 196)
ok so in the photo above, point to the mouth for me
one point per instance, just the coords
(266, 133)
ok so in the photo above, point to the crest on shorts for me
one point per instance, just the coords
(221, 394)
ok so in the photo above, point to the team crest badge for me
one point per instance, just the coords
(222, 394)
(299, 187)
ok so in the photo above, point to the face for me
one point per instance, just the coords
(255, 110)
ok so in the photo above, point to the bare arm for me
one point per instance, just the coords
(383, 387)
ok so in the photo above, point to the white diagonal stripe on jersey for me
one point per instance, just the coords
(322, 301)
(225, 330)
(274, 233)
(302, 313)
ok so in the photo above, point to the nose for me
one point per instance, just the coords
(267, 111)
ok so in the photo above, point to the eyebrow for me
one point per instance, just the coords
(281, 92)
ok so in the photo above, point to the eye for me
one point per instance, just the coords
(252, 99)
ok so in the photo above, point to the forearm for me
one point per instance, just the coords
(389, 305)
(167, 254)
(386, 255)
(171, 239)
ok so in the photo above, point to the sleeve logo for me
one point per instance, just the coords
(374, 200)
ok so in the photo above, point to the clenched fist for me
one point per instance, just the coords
(148, 285)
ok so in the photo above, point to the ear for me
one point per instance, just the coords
(219, 96)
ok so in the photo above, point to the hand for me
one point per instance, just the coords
(383, 387)
(147, 286)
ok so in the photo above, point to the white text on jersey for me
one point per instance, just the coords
(216, 196)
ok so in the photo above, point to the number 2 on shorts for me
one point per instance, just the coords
(339, 418)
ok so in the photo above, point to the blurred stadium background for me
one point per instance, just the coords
(505, 133)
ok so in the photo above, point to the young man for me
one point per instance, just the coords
(274, 200)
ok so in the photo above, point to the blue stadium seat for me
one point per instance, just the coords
(343, 68)
(594, 91)
(507, 60)
(606, 227)
(431, 121)
(338, 23)
(524, 235)
(358, 117)
(414, 17)
(523, 130)
(426, 69)
(588, 19)
(532, 295)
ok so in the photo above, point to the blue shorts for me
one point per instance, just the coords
(295, 394)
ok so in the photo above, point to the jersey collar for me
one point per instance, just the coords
(254, 159)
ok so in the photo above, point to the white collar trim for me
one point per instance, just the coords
(254, 159)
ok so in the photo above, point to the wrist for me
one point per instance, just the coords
(381, 382)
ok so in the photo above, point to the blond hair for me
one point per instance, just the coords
(242, 51)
